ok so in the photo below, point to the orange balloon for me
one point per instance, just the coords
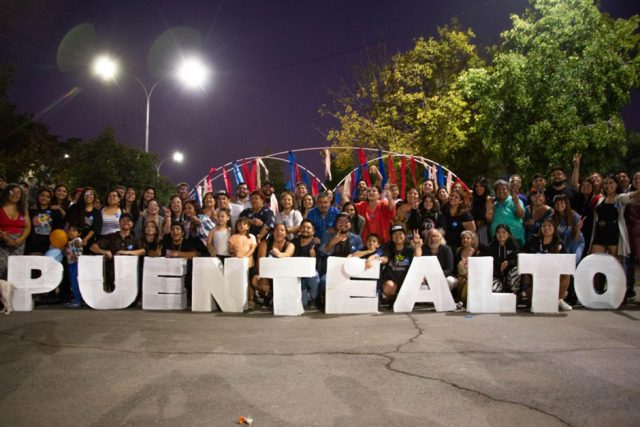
(58, 239)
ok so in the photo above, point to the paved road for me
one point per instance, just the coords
(86, 367)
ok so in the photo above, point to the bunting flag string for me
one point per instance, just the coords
(364, 172)
(212, 172)
(381, 169)
(403, 178)
(413, 172)
(247, 174)
(327, 163)
(392, 170)
(237, 175)
(305, 179)
(440, 176)
(227, 184)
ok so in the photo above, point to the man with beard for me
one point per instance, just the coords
(559, 186)
(305, 246)
(242, 196)
(271, 201)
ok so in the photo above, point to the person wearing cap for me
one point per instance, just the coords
(396, 259)
(223, 201)
(339, 242)
(122, 242)
(182, 189)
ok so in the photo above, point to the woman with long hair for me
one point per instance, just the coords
(147, 195)
(110, 214)
(196, 224)
(288, 215)
(173, 213)
(307, 203)
(151, 239)
(15, 224)
(84, 215)
(536, 212)
(456, 219)
(479, 200)
(504, 251)
(430, 215)
(548, 241)
(610, 233)
(209, 205)
(61, 200)
(129, 204)
(569, 225)
(44, 219)
(357, 221)
(275, 246)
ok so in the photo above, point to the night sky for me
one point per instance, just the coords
(273, 64)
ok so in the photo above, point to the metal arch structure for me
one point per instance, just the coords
(228, 167)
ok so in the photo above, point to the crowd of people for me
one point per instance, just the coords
(553, 213)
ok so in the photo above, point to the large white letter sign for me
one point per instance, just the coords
(616, 281)
(546, 270)
(286, 274)
(91, 281)
(413, 291)
(480, 295)
(163, 284)
(228, 284)
(344, 295)
(19, 274)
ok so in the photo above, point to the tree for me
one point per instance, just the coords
(556, 87)
(413, 104)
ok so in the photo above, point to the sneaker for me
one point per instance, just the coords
(563, 306)
(459, 305)
(252, 305)
(74, 304)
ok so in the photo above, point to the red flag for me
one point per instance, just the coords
(363, 165)
(458, 180)
(413, 172)
(255, 170)
(225, 177)
(353, 183)
(212, 172)
(245, 172)
(403, 178)
(314, 188)
(392, 172)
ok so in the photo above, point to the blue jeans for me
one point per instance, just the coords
(73, 278)
(309, 289)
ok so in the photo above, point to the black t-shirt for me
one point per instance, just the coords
(43, 222)
(188, 245)
(572, 195)
(399, 262)
(303, 251)
(454, 226)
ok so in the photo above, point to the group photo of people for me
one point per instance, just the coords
(551, 212)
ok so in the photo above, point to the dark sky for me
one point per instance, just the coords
(273, 64)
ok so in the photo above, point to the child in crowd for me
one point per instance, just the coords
(73, 252)
(463, 271)
(372, 252)
(243, 245)
(218, 241)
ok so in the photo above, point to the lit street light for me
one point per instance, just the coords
(177, 157)
(192, 72)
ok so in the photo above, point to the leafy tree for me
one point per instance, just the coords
(556, 87)
(413, 104)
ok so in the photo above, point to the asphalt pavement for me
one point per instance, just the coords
(86, 367)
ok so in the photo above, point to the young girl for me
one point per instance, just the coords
(218, 241)
(151, 239)
(242, 245)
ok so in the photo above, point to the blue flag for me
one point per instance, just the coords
(381, 168)
(237, 175)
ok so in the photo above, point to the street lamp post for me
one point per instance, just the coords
(191, 72)
(177, 157)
